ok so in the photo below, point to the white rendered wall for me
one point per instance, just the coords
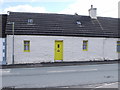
(93, 13)
(42, 49)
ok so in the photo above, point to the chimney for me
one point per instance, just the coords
(93, 12)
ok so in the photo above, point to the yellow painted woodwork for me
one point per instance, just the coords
(85, 45)
(26, 46)
(118, 44)
(58, 53)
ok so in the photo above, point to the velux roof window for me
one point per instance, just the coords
(30, 21)
(79, 23)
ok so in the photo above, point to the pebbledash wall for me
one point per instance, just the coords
(42, 49)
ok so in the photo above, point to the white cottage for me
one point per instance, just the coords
(45, 37)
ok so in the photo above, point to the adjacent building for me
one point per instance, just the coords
(3, 19)
(46, 37)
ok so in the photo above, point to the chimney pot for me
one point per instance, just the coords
(91, 6)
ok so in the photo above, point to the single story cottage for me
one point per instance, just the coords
(45, 37)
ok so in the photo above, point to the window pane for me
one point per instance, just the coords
(30, 21)
(85, 44)
(84, 47)
(26, 42)
(27, 46)
(24, 47)
(118, 48)
(58, 46)
(118, 42)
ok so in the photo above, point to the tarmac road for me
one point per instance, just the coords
(61, 76)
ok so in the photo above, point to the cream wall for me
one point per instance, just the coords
(42, 49)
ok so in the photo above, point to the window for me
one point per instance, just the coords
(118, 46)
(58, 46)
(26, 46)
(30, 21)
(3, 43)
(85, 45)
(3, 50)
(79, 23)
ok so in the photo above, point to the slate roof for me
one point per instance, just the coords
(3, 19)
(62, 25)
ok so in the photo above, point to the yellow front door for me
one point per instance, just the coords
(58, 50)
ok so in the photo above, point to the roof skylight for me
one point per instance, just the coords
(79, 23)
(30, 21)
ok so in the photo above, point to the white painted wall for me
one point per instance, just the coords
(42, 49)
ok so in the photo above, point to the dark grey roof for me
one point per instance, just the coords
(3, 19)
(62, 25)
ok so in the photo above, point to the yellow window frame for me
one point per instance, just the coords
(118, 45)
(27, 45)
(85, 41)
